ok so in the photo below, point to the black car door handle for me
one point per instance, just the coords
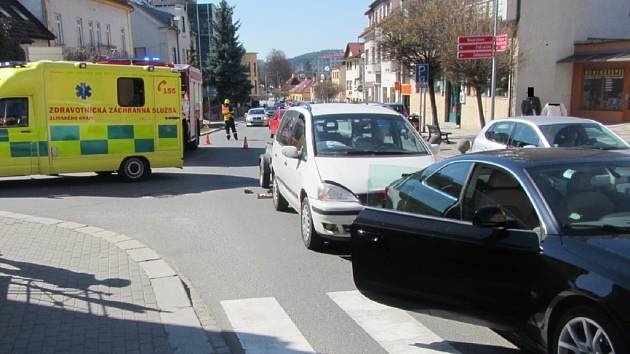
(370, 236)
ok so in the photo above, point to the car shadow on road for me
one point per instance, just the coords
(219, 156)
(50, 309)
(462, 347)
(159, 185)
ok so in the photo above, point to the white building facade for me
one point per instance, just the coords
(99, 24)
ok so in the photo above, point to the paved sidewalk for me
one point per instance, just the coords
(69, 288)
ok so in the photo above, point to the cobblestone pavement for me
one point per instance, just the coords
(64, 291)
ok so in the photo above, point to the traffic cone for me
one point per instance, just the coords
(207, 141)
(245, 145)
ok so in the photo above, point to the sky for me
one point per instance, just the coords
(298, 26)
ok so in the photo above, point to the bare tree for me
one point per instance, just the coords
(415, 35)
(326, 91)
(277, 67)
(475, 73)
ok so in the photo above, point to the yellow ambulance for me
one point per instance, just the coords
(66, 117)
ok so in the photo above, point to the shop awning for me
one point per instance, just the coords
(596, 57)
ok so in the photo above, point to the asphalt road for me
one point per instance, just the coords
(235, 247)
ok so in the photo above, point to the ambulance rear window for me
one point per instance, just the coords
(130, 92)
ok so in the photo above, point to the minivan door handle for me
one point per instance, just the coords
(370, 236)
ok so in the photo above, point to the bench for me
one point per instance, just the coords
(434, 129)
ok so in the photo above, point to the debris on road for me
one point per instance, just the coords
(248, 191)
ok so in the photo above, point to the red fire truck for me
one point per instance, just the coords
(192, 99)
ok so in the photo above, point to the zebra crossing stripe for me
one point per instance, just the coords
(262, 326)
(393, 329)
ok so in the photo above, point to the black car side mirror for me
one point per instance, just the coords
(492, 217)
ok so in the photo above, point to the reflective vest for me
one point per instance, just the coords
(227, 113)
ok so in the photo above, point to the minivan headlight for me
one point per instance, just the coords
(334, 193)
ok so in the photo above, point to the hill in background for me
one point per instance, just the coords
(299, 61)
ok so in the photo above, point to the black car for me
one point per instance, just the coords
(533, 243)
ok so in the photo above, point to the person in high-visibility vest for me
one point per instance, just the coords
(228, 117)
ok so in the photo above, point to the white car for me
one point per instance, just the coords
(328, 161)
(543, 131)
(256, 116)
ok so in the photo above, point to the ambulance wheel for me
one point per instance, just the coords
(134, 169)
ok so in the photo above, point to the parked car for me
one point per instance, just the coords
(329, 160)
(256, 116)
(542, 131)
(533, 243)
(274, 122)
(270, 111)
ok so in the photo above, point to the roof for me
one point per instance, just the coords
(24, 25)
(354, 50)
(349, 108)
(164, 18)
(303, 86)
(527, 158)
(545, 120)
(622, 55)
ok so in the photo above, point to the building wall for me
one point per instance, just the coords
(158, 42)
(354, 76)
(251, 61)
(102, 12)
(547, 32)
(186, 36)
(200, 17)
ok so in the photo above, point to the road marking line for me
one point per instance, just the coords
(262, 326)
(394, 329)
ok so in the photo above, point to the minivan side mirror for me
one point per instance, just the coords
(492, 217)
(290, 152)
(435, 148)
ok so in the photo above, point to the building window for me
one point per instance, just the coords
(349, 85)
(175, 55)
(602, 89)
(80, 32)
(130, 92)
(59, 29)
(91, 33)
(99, 36)
(123, 40)
(108, 35)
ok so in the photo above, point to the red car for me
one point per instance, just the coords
(274, 122)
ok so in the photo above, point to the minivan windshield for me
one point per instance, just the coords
(365, 135)
(593, 197)
(586, 135)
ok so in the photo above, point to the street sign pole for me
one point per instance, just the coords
(494, 58)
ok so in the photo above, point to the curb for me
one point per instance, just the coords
(179, 303)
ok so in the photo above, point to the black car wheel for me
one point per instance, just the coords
(585, 330)
(134, 169)
(311, 239)
(265, 177)
(279, 203)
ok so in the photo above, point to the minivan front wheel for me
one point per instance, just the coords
(585, 330)
(311, 239)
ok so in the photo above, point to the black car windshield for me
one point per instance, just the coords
(587, 135)
(365, 135)
(587, 198)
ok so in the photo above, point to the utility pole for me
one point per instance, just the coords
(493, 89)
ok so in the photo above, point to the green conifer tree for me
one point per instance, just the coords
(226, 73)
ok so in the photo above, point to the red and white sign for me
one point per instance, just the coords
(475, 55)
(474, 39)
(479, 47)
